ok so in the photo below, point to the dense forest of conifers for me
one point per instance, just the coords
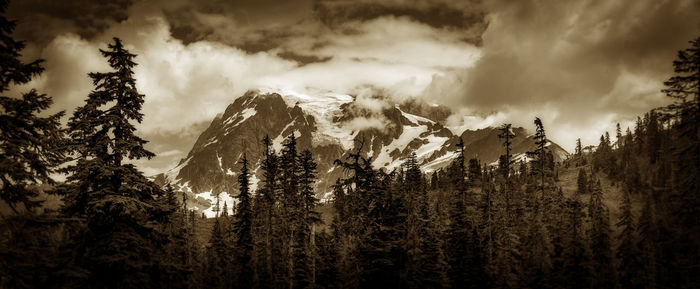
(468, 225)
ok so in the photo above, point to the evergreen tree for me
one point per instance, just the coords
(579, 150)
(505, 161)
(537, 267)
(462, 250)
(576, 255)
(647, 242)
(602, 269)
(304, 251)
(242, 230)
(629, 266)
(117, 201)
(30, 143)
(266, 217)
(582, 182)
(217, 258)
(684, 151)
(540, 153)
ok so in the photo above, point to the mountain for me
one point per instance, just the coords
(330, 125)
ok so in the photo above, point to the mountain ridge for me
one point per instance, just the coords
(329, 125)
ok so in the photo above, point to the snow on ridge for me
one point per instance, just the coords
(323, 106)
(171, 175)
(415, 119)
(409, 134)
(245, 113)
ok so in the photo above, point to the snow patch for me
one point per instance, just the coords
(244, 115)
(415, 119)
(323, 106)
(223, 197)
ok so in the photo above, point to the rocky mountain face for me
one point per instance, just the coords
(330, 125)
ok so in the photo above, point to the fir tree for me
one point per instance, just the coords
(684, 202)
(603, 272)
(242, 230)
(582, 182)
(117, 201)
(304, 251)
(647, 232)
(576, 255)
(31, 144)
(266, 216)
(627, 252)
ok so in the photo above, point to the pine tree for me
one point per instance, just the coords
(540, 153)
(117, 201)
(30, 143)
(462, 247)
(538, 266)
(603, 272)
(629, 267)
(304, 251)
(684, 152)
(414, 222)
(576, 253)
(266, 217)
(242, 230)
(647, 242)
(582, 182)
(505, 161)
(579, 150)
(217, 259)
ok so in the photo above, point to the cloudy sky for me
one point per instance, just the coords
(581, 66)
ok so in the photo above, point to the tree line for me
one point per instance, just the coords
(468, 225)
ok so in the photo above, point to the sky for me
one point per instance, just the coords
(581, 66)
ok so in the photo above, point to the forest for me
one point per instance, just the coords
(468, 225)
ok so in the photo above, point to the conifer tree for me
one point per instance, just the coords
(684, 202)
(217, 258)
(266, 216)
(648, 235)
(579, 150)
(602, 269)
(627, 253)
(576, 253)
(540, 153)
(582, 182)
(537, 267)
(242, 230)
(117, 201)
(30, 143)
(505, 161)
(304, 251)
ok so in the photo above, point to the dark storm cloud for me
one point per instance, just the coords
(39, 21)
(577, 63)
(264, 25)
(256, 25)
(303, 59)
(468, 16)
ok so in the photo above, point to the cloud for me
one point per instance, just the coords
(576, 64)
(365, 123)
(467, 17)
(580, 66)
(40, 20)
(187, 85)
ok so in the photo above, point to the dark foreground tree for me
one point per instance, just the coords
(242, 230)
(119, 247)
(30, 144)
(684, 200)
(30, 149)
